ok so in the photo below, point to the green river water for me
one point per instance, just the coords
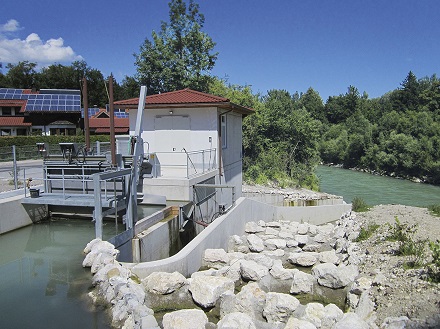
(376, 189)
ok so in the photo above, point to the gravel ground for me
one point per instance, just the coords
(402, 292)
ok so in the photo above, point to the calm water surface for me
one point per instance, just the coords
(42, 281)
(376, 189)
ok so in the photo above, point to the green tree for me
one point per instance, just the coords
(312, 102)
(58, 76)
(180, 55)
(22, 75)
(407, 98)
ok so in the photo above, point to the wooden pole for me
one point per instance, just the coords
(112, 121)
(86, 114)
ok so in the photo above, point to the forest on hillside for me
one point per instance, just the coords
(397, 134)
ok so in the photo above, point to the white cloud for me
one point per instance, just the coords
(32, 48)
(11, 26)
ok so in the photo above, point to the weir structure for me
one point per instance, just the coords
(79, 181)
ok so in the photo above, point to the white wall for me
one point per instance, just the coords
(203, 124)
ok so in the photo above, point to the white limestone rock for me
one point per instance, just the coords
(277, 253)
(313, 313)
(302, 239)
(215, 258)
(332, 314)
(279, 272)
(332, 276)
(279, 307)
(395, 323)
(303, 228)
(236, 320)
(253, 227)
(252, 271)
(295, 323)
(303, 258)
(235, 242)
(185, 319)
(302, 283)
(329, 256)
(109, 271)
(260, 258)
(207, 290)
(256, 244)
(97, 248)
(351, 320)
(273, 244)
(162, 283)
(250, 300)
(271, 231)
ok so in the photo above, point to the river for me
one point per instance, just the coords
(376, 189)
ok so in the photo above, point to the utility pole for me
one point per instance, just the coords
(86, 114)
(112, 120)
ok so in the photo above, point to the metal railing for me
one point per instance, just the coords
(182, 164)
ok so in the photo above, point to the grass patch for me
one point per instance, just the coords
(359, 205)
(367, 231)
(434, 209)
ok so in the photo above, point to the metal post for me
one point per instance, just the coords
(98, 148)
(112, 121)
(203, 161)
(86, 115)
(15, 167)
(97, 213)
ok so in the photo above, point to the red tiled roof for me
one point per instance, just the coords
(105, 123)
(14, 122)
(14, 103)
(107, 130)
(183, 97)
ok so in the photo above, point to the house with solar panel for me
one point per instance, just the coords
(51, 112)
(193, 144)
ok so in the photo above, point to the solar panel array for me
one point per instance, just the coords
(94, 110)
(49, 100)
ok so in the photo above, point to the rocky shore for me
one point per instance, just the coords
(280, 275)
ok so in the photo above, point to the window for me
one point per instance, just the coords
(6, 111)
(223, 131)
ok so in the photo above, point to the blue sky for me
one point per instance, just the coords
(284, 44)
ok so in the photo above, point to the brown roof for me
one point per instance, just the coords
(182, 98)
(14, 103)
(107, 130)
(105, 123)
(14, 122)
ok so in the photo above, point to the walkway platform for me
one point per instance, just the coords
(77, 200)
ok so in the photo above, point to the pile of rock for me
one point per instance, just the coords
(272, 267)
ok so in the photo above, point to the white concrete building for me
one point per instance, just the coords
(190, 138)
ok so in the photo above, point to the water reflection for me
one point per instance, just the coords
(42, 282)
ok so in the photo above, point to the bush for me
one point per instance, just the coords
(359, 205)
(434, 267)
(434, 209)
(404, 235)
(366, 232)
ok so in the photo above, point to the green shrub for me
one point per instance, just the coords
(367, 231)
(434, 209)
(359, 205)
(434, 267)
(404, 235)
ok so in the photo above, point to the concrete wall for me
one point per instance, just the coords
(216, 235)
(15, 215)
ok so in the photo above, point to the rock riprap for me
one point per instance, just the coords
(278, 275)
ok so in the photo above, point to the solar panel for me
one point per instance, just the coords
(47, 99)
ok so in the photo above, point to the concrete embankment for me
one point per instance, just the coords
(15, 215)
(216, 235)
